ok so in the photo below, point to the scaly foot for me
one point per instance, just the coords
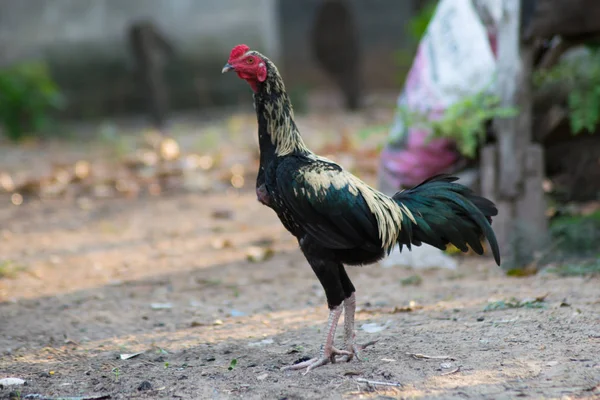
(328, 352)
(350, 344)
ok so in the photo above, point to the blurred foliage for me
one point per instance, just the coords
(418, 24)
(570, 248)
(576, 235)
(582, 75)
(415, 30)
(28, 96)
(464, 121)
(585, 268)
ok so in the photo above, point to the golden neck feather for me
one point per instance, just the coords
(276, 107)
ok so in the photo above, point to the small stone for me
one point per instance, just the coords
(480, 319)
(222, 214)
(11, 382)
(145, 386)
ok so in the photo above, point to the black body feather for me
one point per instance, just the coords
(337, 218)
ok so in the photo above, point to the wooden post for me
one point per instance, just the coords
(513, 168)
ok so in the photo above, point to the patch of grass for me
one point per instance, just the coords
(584, 268)
(538, 302)
(9, 269)
(413, 280)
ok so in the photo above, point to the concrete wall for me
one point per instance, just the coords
(84, 41)
(382, 29)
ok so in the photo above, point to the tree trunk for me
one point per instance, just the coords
(512, 168)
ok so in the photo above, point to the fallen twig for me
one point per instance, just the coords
(418, 356)
(42, 397)
(378, 383)
(457, 369)
(387, 310)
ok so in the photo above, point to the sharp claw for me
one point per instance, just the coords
(318, 361)
(300, 365)
(364, 346)
(356, 350)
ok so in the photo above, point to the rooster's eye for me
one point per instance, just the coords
(250, 61)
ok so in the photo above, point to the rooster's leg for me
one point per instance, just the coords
(349, 334)
(328, 352)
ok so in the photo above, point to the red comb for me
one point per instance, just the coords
(238, 51)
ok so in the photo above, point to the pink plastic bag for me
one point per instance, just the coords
(454, 59)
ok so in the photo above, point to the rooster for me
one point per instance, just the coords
(337, 218)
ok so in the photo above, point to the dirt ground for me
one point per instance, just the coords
(169, 276)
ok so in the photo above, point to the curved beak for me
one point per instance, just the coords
(228, 67)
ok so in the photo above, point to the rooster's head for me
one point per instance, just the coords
(249, 65)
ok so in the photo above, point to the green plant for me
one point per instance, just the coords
(582, 77)
(417, 26)
(464, 121)
(28, 96)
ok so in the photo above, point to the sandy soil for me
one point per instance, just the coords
(169, 277)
